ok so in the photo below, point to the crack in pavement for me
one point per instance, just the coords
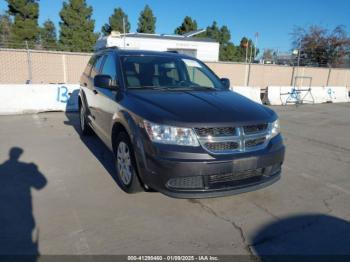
(327, 200)
(209, 210)
(264, 240)
(325, 144)
(264, 209)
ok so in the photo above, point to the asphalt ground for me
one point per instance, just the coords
(58, 195)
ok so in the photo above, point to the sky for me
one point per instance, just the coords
(273, 19)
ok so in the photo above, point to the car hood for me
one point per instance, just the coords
(196, 108)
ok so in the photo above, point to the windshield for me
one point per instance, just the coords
(161, 72)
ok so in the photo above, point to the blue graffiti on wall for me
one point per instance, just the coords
(294, 94)
(331, 93)
(62, 94)
(68, 96)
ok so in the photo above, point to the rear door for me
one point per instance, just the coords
(90, 91)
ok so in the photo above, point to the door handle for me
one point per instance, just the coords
(95, 91)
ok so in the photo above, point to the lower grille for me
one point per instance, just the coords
(222, 181)
(194, 182)
(229, 177)
(221, 146)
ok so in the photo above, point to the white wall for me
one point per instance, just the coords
(280, 95)
(19, 99)
(206, 51)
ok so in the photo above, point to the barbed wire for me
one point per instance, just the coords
(38, 46)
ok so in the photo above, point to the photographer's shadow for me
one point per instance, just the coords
(18, 233)
(296, 238)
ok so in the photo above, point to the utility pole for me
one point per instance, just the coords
(256, 44)
(296, 51)
(246, 45)
(246, 51)
(299, 54)
(251, 53)
(29, 61)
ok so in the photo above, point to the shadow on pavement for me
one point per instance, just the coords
(94, 144)
(18, 233)
(303, 235)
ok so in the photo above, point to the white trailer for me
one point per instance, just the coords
(202, 48)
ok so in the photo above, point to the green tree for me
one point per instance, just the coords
(245, 50)
(225, 35)
(48, 35)
(5, 30)
(25, 25)
(147, 21)
(116, 22)
(77, 27)
(228, 52)
(187, 25)
(213, 32)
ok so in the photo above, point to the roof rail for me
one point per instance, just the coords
(172, 51)
(106, 48)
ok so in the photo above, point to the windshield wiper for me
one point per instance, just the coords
(203, 88)
(149, 87)
(173, 88)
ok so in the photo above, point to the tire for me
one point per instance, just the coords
(126, 169)
(85, 128)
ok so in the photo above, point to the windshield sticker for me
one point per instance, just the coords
(191, 63)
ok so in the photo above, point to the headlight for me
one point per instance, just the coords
(274, 128)
(171, 135)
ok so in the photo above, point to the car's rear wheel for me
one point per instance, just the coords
(126, 165)
(85, 128)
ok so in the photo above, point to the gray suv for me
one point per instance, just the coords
(175, 127)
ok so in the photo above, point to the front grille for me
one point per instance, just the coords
(226, 140)
(255, 142)
(252, 129)
(229, 177)
(216, 131)
(221, 146)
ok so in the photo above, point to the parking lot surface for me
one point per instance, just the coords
(58, 195)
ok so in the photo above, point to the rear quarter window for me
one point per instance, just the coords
(91, 62)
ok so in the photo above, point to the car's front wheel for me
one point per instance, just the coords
(125, 164)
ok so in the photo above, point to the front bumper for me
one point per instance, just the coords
(197, 175)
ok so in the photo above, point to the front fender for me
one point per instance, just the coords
(132, 125)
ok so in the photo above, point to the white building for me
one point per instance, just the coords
(202, 48)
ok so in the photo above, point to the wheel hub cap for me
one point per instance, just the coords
(124, 163)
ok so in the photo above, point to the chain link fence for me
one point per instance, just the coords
(37, 66)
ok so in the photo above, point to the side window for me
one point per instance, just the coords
(96, 67)
(109, 68)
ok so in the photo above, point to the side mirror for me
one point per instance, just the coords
(225, 82)
(104, 81)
